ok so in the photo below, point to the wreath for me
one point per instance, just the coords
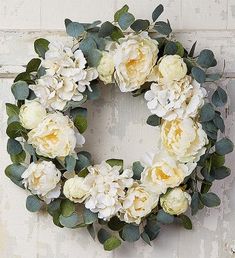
(46, 124)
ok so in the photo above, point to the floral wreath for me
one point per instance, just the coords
(46, 124)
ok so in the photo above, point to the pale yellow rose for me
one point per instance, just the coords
(185, 139)
(105, 68)
(172, 67)
(76, 189)
(138, 203)
(31, 114)
(175, 202)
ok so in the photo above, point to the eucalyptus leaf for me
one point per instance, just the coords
(33, 65)
(125, 20)
(116, 224)
(224, 146)
(86, 45)
(146, 238)
(15, 129)
(41, 47)
(137, 170)
(217, 160)
(91, 230)
(130, 233)
(25, 76)
(33, 203)
(221, 172)
(70, 221)
(89, 216)
(67, 208)
(112, 243)
(195, 203)
(54, 208)
(207, 112)
(140, 25)
(120, 12)
(206, 58)
(154, 120)
(70, 163)
(74, 29)
(163, 27)
(198, 74)
(82, 162)
(12, 110)
(81, 123)
(157, 12)
(210, 199)
(20, 90)
(219, 122)
(103, 235)
(14, 147)
(116, 34)
(164, 217)
(18, 158)
(152, 229)
(192, 50)
(14, 172)
(115, 162)
(219, 97)
(186, 221)
(106, 29)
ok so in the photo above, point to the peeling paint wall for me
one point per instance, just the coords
(117, 128)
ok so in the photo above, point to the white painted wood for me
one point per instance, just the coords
(116, 128)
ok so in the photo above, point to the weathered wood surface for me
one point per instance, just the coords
(116, 129)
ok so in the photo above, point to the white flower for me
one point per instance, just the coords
(162, 172)
(105, 68)
(185, 139)
(43, 179)
(172, 68)
(134, 58)
(55, 136)
(66, 78)
(76, 189)
(106, 188)
(175, 202)
(31, 114)
(175, 99)
(137, 203)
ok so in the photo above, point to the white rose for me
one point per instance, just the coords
(172, 67)
(31, 114)
(134, 58)
(107, 186)
(55, 136)
(175, 202)
(175, 99)
(162, 172)
(76, 189)
(185, 139)
(137, 203)
(106, 68)
(43, 179)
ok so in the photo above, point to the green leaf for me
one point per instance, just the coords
(33, 203)
(71, 221)
(25, 76)
(14, 172)
(54, 208)
(163, 28)
(41, 47)
(140, 25)
(164, 217)
(86, 45)
(207, 113)
(130, 233)
(106, 29)
(33, 65)
(115, 162)
(78, 111)
(94, 57)
(81, 123)
(170, 48)
(157, 12)
(210, 199)
(95, 93)
(217, 160)
(224, 146)
(74, 29)
(195, 203)
(205, 187)
(89, 216)
(12, 110)
(154, 120)
(116, 34)
(198, 74)
(125, 20)
(18, 158)
(70, 163)
(20, 90)
(12, 119)
(219, 97)
(146, 238)
(14, 147)
(66, 22)
(91, 230)
(112, 243)
(220, 172)
(206, 59)
(120, 12)
(186, 221)
(137, 170)
(192, 50)
(92, 25)
(67, 208)
(152, 228)
(15, 129)
(103, 235)
(219, 122)
(116, 224)
(82, 162)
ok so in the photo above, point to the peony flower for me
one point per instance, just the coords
(134, 58)
(106, 188)
(185, 139)
(137, 203)
(172, 68)
(31, 114)
(76, 189)
(175, 202)
(175, 99)
(105, 68)
(43, 179)
(66, 78)
(162, 172)
(55, 136)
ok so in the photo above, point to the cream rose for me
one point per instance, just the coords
(105, 68)
(162, 172)
(55, 136)
(31, 114)
(172, 67)
(175, 99)
(76, 189)
(137, 203)
(43, 179)
(185, 139)
(134, 58)
(175, 202)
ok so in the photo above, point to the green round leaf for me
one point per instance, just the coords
(170, 48)
(137, 170)
(186, 221)
(163, 27)
(140, 25)
(12, 110)
(103, 235)
(220, 172)
(33, 203)
(115, 162)
(112, 243)
(89, 216)
(94, 56)
(154, 120)
(207, 113)
(86, 45)
(210, 199)
(130, 233)
(125, 20)
(74, 29)
(217, 160)
(19, 158)
(224, 146)
(54, 208)
(116, 224)
(33, 65)
(71, 221)
(81, 123)
(219, 97)
(146, 238)
(206, 59)
(82, 162)
(70, 163)
(67, 208)
(20, 90)
(198, 74)
(120, 12)
(106, 29)
(14, 147)
(41, 47)
(15, 130)
(164, 217)
(157, 12)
